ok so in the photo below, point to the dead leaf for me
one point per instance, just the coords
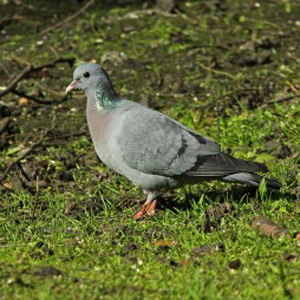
(185, 262)
(162, 243)
(18, 17)
(8, 186)
(23, 101)
(269, 228)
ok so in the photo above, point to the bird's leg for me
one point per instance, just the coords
(151, 208)
(141, 213)
(148, 207)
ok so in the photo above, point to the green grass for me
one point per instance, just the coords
(92, 246)
(90, 251)
(80, 224)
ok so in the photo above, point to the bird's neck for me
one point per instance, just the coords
(105, 98)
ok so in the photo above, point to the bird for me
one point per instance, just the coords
(154, 151)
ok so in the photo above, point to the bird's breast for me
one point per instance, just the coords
(99, 127)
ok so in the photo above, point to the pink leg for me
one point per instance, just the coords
(141, 213)
(148, 207)
(151, 209)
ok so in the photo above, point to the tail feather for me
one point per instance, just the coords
(252, 179)
(222, 165)
(229, 168)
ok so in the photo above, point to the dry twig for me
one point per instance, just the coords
(30, 69)
(69, 19)
(280, 100)
(186, 18)
(5, 70)
(210, 70)
(40, 101)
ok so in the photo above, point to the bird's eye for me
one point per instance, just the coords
(86, 75)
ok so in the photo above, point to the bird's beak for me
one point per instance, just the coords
(72, 86)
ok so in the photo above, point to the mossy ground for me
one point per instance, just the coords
(215, 66)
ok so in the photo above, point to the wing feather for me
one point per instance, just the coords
(153, 143)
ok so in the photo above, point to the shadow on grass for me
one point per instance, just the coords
(236, 195)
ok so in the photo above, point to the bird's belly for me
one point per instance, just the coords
(108, 151)
(145, 181)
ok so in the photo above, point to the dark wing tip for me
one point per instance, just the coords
(273, 184)
(222, 165)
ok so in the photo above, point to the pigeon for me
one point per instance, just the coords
(154, 151)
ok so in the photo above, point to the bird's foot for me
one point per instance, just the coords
(148, 209)
(151, 209)
(139, 215)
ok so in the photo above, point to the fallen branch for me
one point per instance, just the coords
(40, 101)
(69, 19)
(20, 60)
(186, 18)
(5, 70)
(264, 22)
(23, 172)
(31, 69)
(15, 81)
(4, 123)
(222, 73)
(49, 90)
(280, 100)
(33, 146)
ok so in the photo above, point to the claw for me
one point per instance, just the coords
(139, 215)
(151, 209)
(148, 209)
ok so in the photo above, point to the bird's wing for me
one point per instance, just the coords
(222, 165)
(153, 143)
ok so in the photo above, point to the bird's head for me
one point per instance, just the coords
(87, 76)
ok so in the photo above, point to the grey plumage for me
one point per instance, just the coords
(154, 151)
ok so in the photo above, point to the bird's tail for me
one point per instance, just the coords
(228, 168)
(252, 179)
